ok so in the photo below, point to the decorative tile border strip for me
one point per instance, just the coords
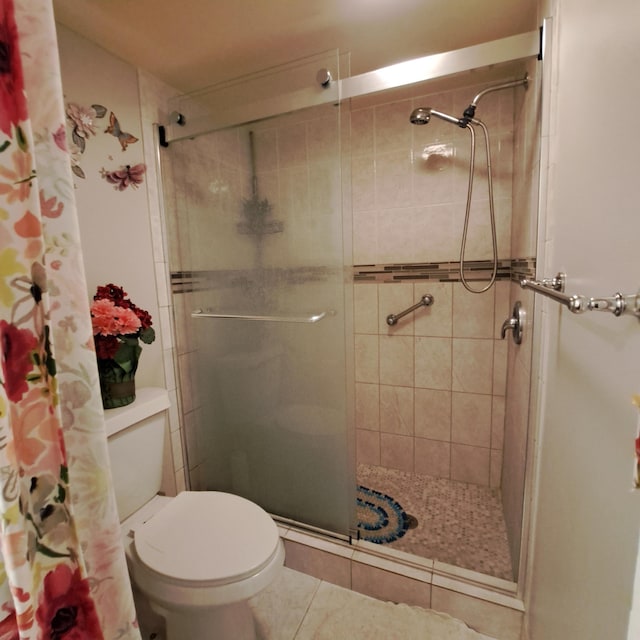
(189, 281)
(508, 269)
(523, 268)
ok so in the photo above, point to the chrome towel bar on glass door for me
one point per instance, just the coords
(308, 319)
(618, 304)
(425, 301)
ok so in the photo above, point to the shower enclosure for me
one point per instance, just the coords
(301, 211)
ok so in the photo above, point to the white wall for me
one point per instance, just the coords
(587, 520)
(114, 225)
(122, 230)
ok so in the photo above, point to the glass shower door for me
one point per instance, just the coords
(258, 267)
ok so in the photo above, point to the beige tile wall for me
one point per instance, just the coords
(430, 391)
(409, 183)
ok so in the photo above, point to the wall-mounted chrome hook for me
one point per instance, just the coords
(515, 323)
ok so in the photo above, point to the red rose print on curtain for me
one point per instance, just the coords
(13, 104)
(65, 610)
(18, 346)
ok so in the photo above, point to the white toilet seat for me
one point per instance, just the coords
(242, 536)
(169, 559)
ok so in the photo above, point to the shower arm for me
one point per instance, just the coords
(470, 111)
(498, 87)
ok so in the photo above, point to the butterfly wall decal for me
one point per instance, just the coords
(127, 176)
(114, 129)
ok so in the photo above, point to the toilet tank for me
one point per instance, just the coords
(135, 436)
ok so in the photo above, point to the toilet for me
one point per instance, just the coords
(196, 558)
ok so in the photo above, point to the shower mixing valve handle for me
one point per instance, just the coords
(515, 323)
(425, 301)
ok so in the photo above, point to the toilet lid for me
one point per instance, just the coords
(207, 536)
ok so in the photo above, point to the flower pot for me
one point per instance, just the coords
(117, 394)
(117, 382)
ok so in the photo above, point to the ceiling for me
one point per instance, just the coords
(192, 44)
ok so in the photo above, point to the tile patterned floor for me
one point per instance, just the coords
(458, 523)
(299, 607)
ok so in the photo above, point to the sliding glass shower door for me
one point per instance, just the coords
(262, 301)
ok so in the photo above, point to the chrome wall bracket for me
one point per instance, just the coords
(618, 304)
(556, 283)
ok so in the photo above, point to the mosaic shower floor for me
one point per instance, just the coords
(458, 523)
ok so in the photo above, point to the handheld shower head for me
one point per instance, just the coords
(422, 115)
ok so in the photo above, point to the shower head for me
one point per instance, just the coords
(422, 115)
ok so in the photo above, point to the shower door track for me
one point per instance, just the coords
(318, 531)
(509, 49)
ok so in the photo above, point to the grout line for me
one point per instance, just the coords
(308, 608)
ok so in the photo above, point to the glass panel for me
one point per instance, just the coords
(256, 231)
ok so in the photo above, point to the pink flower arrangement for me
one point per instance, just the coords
(118, 326)
(118, 323)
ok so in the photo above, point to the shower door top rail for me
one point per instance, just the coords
(431, 67)
(439, 65)
(307, 318)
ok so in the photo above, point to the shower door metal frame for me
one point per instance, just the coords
(519, 47)
(431, 67)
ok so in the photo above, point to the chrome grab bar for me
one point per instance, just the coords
(618, 304)
(310, 319)
(425, 301)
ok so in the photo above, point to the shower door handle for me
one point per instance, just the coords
(306, 319)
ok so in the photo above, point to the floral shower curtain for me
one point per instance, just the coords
(62, 574)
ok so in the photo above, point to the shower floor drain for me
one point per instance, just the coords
(412, 521)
